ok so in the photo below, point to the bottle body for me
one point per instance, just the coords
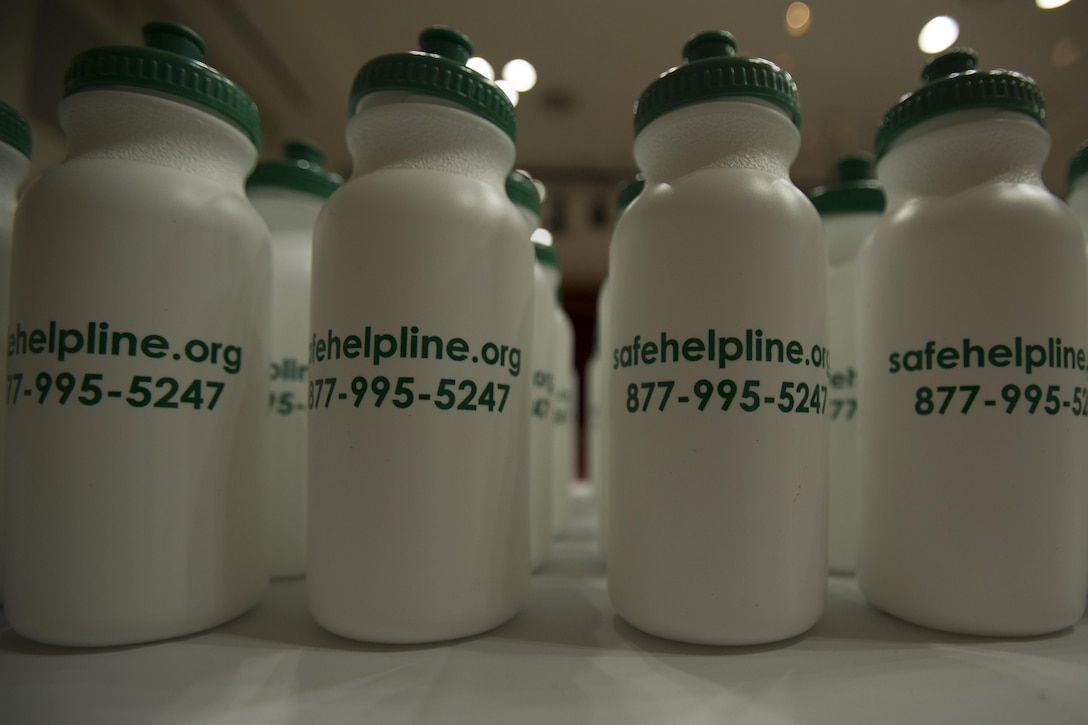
(290, 216)
(592, 413)
(718, 384)
(1078, 202)
(137, 334)
(972, 371)
(564, 417)
(603, 437)
(13, 168)
(844, 232)
(542, 428)
(421, 311)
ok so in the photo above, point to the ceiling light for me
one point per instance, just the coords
(1050, 4)
(938, 34)
(509, 90)
(541, 236)
(520, 74)
(481, 66)
(798, 19)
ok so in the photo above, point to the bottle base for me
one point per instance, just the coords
(123, 631)
(404, 633)
(978, 622)
(734, 636)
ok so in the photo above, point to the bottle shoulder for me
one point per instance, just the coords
(420, 196)
(722, 202)
(718, 186)
(407, 218)
(155, 129)
(984, 226)
(121, 178)
(738, 133)
(110, 197)
(983, 209)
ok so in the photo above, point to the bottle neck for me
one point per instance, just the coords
(741, 133)
(400, 130)
(531, 220)
(555, 279)
(143, 126)
(286, 210)
(959, 151)
(845, 233)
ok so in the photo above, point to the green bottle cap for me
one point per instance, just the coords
(546, 254)
(854, 191)
(712, 70)
(628, 192)
(1078, 165)
(170, 63)
(954, 83)
(14, 130)
(438, 69)
(522, 191)
(300, 170)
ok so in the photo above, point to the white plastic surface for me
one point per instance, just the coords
(565, 441)
(564, 408)
(134, 501)
(13, 167)
(974, 496)
(290, 216)
(418, 506)
(603, 437)
(1078, 202)
(844, 232)
(566, 658)
(717, 506)
(542, 465)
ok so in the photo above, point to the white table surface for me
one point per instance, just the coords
(566, 658)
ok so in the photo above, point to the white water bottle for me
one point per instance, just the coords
(15, 147)
(421, 316)
(973, 349)
(1078, 186)
(718, 476)
(565, 410)
(136, 354)
(598, 373)
(561, 355)
(850, 209)
(288, 193)
(524, 194)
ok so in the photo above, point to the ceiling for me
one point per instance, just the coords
(298, 59)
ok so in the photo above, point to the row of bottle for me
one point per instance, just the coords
(553, 384)
(951, 369)
(289, 194)
(137, 387)
(142, 423)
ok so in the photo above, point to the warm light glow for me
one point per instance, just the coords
(1065, 53)
(785, 61)
(798, 19)
(520, 74)
(481, 66)
(1050, 4)
(938, 34)
(541, 236)
(509, 90)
